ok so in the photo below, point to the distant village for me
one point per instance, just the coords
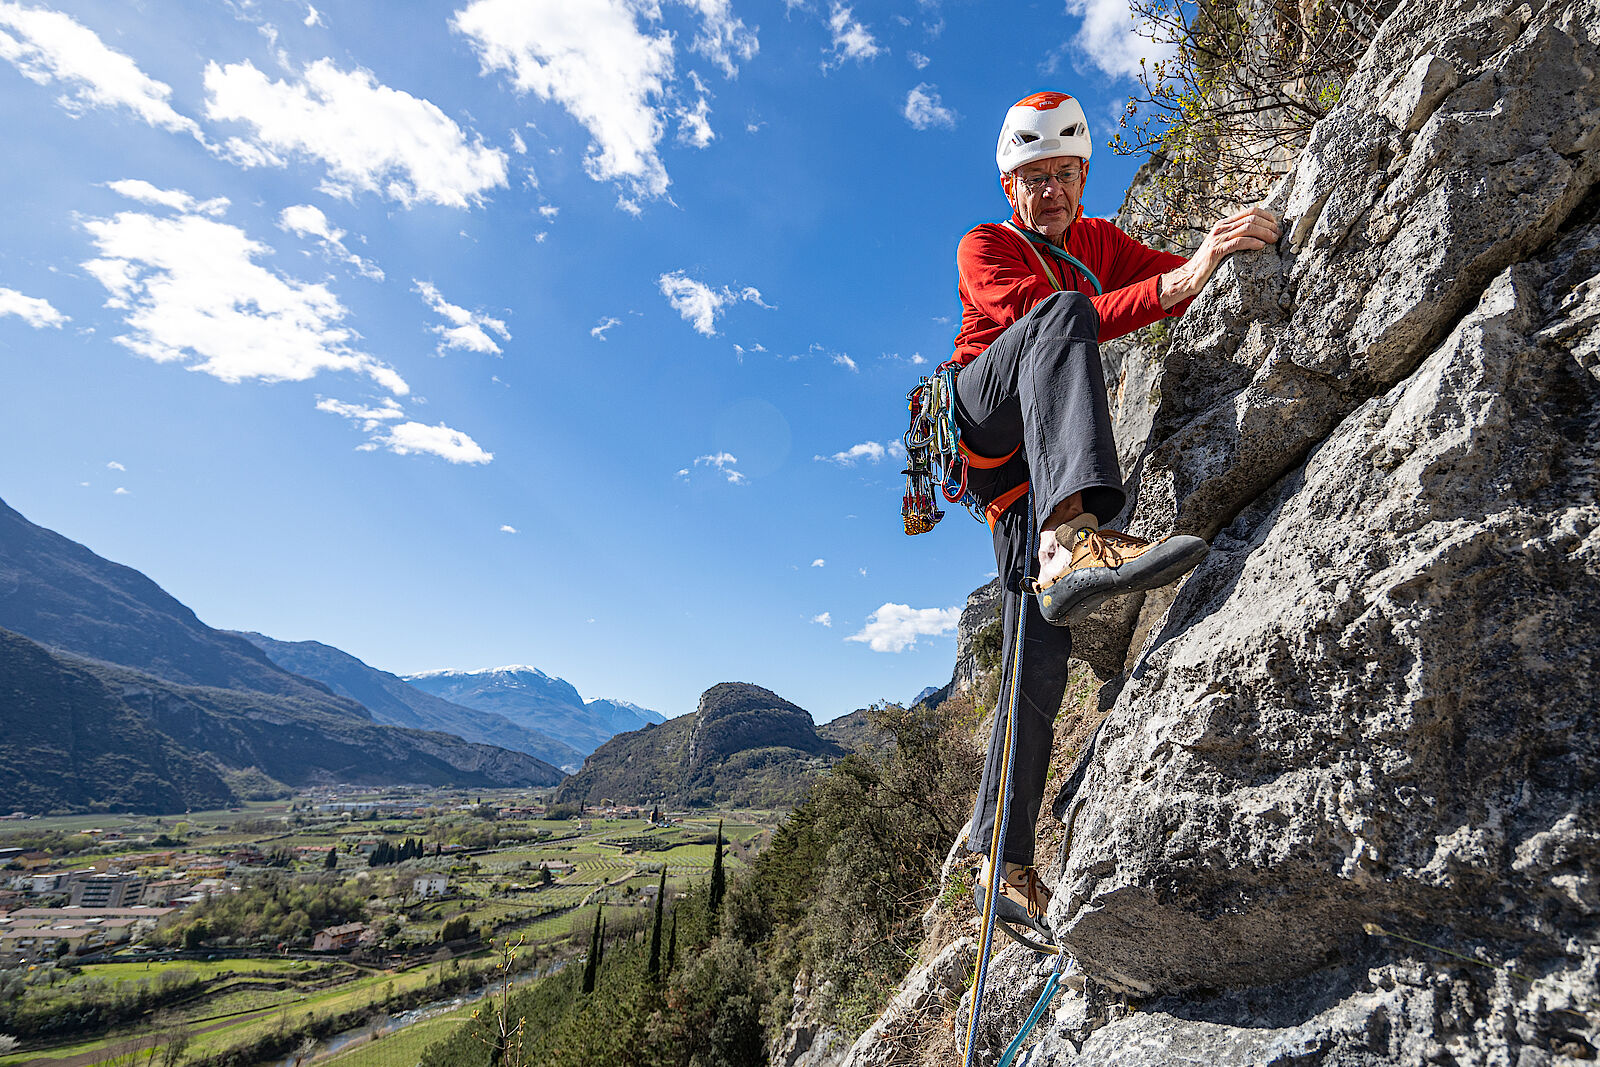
(55, 906)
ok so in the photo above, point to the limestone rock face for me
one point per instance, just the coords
(1364, 729)
(734, 716)
(982, 609)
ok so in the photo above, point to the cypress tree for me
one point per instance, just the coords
(333, 859)
(719, 881)
(591, 967)
(655, 931)
(672, 943)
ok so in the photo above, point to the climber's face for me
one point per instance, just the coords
(1047, 192)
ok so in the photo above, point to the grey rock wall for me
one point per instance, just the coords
(1362, 735)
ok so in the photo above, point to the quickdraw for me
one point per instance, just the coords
(933, 454)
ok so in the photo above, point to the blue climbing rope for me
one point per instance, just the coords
(1002, 814)
(1034, 1016)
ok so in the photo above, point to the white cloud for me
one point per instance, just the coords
(313, 17)
(192, 292)
(896, 627)
(819, 563)
(918, 60)
(518, 145)
(413, 438)
(307, 220)
(369, 137)
(599, 332)
(851, 40)
(723, 463)
(1108, 38)
(825, 619)
(722, 37)
(871, 451)
(119, 491)
(115, 466)
(508, 529)
(33, 310)
(924, 110)
(48, 46)
(694, 124)
(915, 359)
(176, 199)
(549, 211)
(842, 360)
(700, 304)
(371, 418)
(465, 329)
(597, 61)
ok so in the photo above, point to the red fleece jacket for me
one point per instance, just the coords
(1000, 280)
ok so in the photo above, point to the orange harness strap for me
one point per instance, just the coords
(998, 508)
(985, 463)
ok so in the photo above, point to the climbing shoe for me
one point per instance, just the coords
(1108, 563)
(1022, 902)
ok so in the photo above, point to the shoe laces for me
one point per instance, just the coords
(1108, 546)
(1033, 889)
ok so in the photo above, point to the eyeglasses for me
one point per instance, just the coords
(1065, 177)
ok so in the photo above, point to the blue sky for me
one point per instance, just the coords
(565, 332)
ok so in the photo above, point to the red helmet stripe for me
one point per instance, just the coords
(1046, 101)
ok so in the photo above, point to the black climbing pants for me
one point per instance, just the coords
(1038, 390)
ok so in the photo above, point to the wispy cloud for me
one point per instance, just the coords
(700, 304)
(176, 199)
(369, 137)
(925, 110)
(115, 466)
(819, 563)
(842, 360)
(192, 292)
(598, 332)
(896, 627)
(725, 464)
(415, 438)
(723, 38)
(48, 46)
(33, 310)
(508, 529)
(918, 60)
(463, 329)
(851, 39)
(307, 220)
(1108, 39)
(597, 61)
(381, 423)
(825, 619)
(871, 451)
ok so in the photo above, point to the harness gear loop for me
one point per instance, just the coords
(934, 453)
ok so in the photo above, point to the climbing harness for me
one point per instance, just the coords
(997, 850)
(934, 455)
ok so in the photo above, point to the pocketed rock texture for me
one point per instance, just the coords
(1362, 735)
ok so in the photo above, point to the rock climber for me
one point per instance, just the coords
(1039, 292)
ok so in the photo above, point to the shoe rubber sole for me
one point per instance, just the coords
(1009, 915)
(1074, 596)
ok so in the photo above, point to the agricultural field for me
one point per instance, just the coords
(237, 971)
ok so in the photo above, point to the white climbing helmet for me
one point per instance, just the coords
(1041, 126)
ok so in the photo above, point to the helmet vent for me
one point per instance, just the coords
(1071, 131)
(1022, 137)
